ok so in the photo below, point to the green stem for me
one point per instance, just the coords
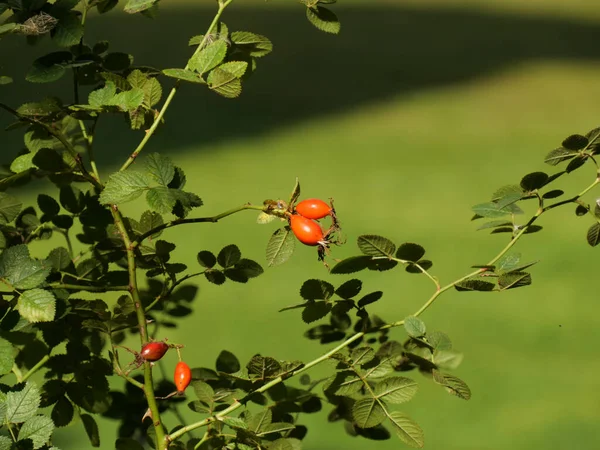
(15, 177)
(265, 387)
(78, 287)
(35, 368)
(143, 328)
(212, 219)
(167, 293)
(169, 99)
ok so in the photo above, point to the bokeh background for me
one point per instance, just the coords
(415, 112)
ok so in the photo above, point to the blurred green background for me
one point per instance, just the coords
(415, 112)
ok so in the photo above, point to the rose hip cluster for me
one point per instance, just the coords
(304, 225)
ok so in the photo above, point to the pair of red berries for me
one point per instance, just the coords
(303, 221)
(153, 351)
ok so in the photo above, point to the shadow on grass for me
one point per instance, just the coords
(381, 52)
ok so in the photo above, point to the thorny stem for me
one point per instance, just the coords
(169, 99)
(439, 290)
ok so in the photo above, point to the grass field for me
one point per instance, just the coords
(417, 111)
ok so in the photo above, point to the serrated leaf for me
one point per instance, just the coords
(150, 220)
(491, 210)
(414, 326)
(152, 92)
(236, 68)
(128, 100)
(447, 359)
(373, 245)
(185, 75)
(123, 187)
(160, 168)
(407, 429)
(224, 83)
(495, 224)
(59, 258)
(204, 392)
(351, 265)
(349, 289)
(209, 57)
(38, 429)
(206, 259)
(315, 310)
(575, 164)
(136, 6)
(21, 271)
(513, 280)
(343, 384)
(316, 290)
(22, 405)
(260, 420)
(410, 252)
(439, 340)
(474, 285)
(323, 19)
(280, 247)
(593, 235)
(254, 45)
(5, 442)
(534, 180)
(234, 422)
(229, 256)
(396, 390)
(103, 96)
(370, 298)
(575, 142)
(10, 207)
(508, 262)
(453, 385)
(7, 356)
(559, 155)
(68, 31)
(49, 68)
(362, 355)
(368, 413)
(37, 305)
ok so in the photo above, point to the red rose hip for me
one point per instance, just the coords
(313, 208)
(306, 230)
(182, 376)
(153, 351)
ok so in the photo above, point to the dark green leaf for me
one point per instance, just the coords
(62, 412)
(494, 224)
(59, 258)
(575, 142)
(474, 285)
(72, 199)
(407, 429)
(425, 264)
(316, 290)
(575, 163)
(396, 390)
(7, 356)
(315, 311)
(351, 265)
(323, 19)
(410, 252)
(117, 61)
(439, 340)
(593, 235)
(369, 298)
(215, 276)
(349, 289)
(68, 31)
(581, 210)
(453, 385)
(206, 259)
(229, 256)
(227, 362)
(553, 193)
(368, 413)
(10, 207)
(513, 280)
(254, 45)
(280, 246)
(533, 181)
(91, 429)
(48, 68)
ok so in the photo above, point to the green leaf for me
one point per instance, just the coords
(234, 422)
(209, 57)
(513, 280)
(236, 68)
(5, 442)
(553, 193)
(152, 92)
(72, 199)
(316, 290)
(21, 271)
(324, 19)
(254, 45)
(508, 262)
(315, 310)
(5, 80)
(224, 83)
(474, 285)
(103, 96)
(575, 142)
(215, 276)
(285, 444)
(407, 429)
(593, 235)
(362, 355)
(136, 6)
(495, 224)
(280, 246)
(37, 305)
(38, 429)
(22, 405)
(349, 289)
(410, 252)
(7, 356)
(370, 298)
(368, 413)
(185, 75)
(229, 256)
(47, 205)
(10, 207)
(124, 187)
(453, 385)
(117, 62)
(373, 245)
(244, 270)
(91, 429)
(204, 392)
(68, 31)
(439, 340)
(491, 210)
(414, 326)
(396, 390)
(128, 100)
(160, 168)
(227, 362)
(59, 258)
(447, 359)
(206, 259)
(559, 155)
(149, 221)
(534, 180)
(343, 384)
(261, 420)
(351, 265)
